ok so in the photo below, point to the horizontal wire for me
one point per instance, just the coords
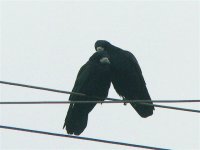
(106, 102)
(80, 94)
(109, 102)
(81, 138)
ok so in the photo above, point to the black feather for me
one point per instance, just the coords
(93, 80)
(127, 78)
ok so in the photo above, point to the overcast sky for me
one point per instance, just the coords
(45, 44)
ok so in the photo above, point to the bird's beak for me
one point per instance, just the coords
(99, 48)
(105, 60)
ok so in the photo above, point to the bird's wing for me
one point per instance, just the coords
(131, 84)
(81, 79)
(77, 115)
(89, 81)
(135, 65)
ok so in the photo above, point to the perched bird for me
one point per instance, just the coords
(93, 80)
(126, 77)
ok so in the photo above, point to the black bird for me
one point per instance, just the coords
(127, 77)
(93, 80)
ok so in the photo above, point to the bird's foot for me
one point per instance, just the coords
(124, 99)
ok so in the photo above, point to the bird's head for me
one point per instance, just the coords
(100, 56)
(101, 45)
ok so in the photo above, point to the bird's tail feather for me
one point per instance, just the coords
(143, 110)
(76, 119)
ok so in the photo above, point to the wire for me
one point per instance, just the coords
(81, 138)
(114, 100)
(41, 88)
(80, 94)
(175, 108)
(107, 102)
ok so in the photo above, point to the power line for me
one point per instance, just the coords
(54, 90)
(41, 88)
(80, 94)
(175, 108)
(81, 138)
(107, 102)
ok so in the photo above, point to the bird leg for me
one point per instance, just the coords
(124, 99)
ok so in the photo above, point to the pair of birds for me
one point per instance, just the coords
(108, 64)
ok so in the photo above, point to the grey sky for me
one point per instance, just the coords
(45, 43)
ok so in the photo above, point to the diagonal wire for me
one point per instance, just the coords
(107, 102)
(81, 138)
(54, 90)
(80, 94)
